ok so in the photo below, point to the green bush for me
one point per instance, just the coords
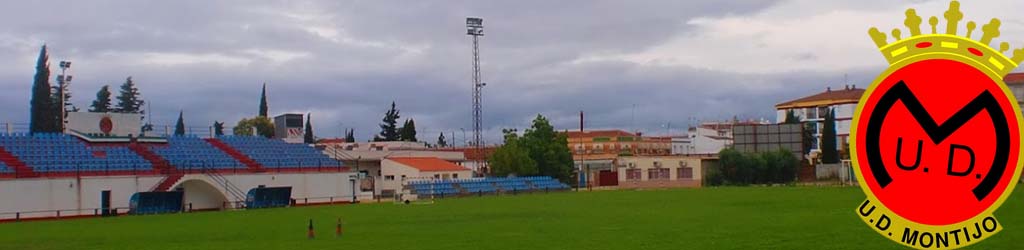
(737, 168)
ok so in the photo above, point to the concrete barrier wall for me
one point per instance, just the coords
(660, 184)
(827, 171)
(40, 197)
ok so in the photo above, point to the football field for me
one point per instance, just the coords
(709, 218)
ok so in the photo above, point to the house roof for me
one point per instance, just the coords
(599, 133)
(428, 164)
(1014, 79)
(829, 97)
(471, 153)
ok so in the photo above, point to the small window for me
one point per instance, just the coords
(685, 173)
(455, 176)
(389, 177)
(657, 174)
(633, 174)
(437, 176)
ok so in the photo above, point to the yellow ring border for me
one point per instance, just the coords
(998, 79)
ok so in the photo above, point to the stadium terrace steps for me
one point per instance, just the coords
(249, 162)
(159, 163)
(19, 167)
(168, 182)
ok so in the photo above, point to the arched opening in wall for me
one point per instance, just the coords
(201, 195)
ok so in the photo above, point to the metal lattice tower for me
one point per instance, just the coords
(475, 28)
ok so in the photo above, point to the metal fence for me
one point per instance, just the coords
(160, 130)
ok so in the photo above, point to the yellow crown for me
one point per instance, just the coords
(950, 42)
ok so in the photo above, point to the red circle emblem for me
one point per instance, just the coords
(938, 142)
(106, 125)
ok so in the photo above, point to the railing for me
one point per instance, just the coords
(192, 169)
(324, 200)
(61, 213)
(236, 192)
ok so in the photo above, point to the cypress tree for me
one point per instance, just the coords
(441, 142)
(179, 128)
(829, 153)
(791, 117)
(350, 135)
(129, 100)
(41, 106)
(102, 102)
(408, 131)
(308, 137)
(218, 128)
(264, 109)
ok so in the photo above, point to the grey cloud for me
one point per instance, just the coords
(414, 53)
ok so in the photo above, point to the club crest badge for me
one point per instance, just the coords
(937, 137)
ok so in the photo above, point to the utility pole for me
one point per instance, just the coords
(581, 175)
(475, 28)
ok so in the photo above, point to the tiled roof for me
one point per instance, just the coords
(829, 97)
(1014, 79)
(471, 153)
(428, 164)
(599, 133)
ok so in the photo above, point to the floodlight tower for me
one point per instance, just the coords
(63, 80)
(475, 28)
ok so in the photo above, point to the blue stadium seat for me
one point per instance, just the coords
(53, 152)
(275, 153)
(191, 152)
(484, 185)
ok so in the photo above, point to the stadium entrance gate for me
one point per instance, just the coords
(608, 178)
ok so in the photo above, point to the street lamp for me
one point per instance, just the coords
(463, 136)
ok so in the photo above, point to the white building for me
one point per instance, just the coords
(812, 109)
(1016, 83)
(399, 170)
(707, 138)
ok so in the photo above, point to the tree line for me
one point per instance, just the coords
(45, 109)
(540, 150)
(739, 168)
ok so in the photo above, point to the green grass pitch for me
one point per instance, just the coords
(709, 218)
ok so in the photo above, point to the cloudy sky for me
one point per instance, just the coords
(627, 64)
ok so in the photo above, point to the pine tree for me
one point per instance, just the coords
(408, 131)
(829, 152)
(218, 128)
(129, 100)
(350, 135)
(179, 128)
(389, 127)
(41, 106)
(102, 102)
(264, 109)
(308, 137)
(441, 142)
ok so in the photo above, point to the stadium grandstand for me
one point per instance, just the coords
(96, 170)
(479, 186)
(105, 165)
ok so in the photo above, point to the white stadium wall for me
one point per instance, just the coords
(44, 194)
(40, 197)
(96, 123)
